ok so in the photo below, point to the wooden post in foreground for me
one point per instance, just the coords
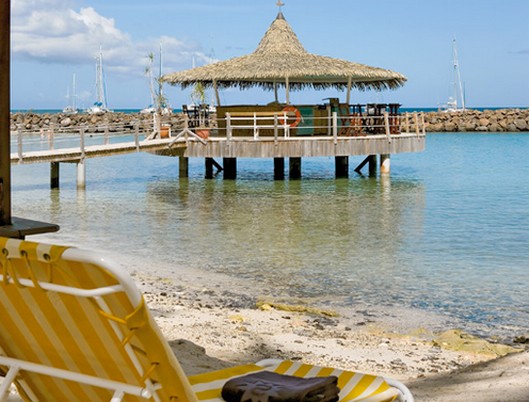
(5, 151)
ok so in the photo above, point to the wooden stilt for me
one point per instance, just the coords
(372, 160)
(183, 166)
(372, 165)
(279, 168)
(209, 168)
(384, 164)
(81, 174)
(294, 168)
(341, 166)
(230, 168)
(54, 175)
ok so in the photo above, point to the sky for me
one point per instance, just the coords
(53, 40)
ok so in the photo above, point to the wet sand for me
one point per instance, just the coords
(211, 329)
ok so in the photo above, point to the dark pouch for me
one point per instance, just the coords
(267, 386)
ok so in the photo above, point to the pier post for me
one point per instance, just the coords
(372, 165)
(209, 168)
(341, 164)
(183, 166)
(230, 168)
(384, 164)
(279, 168)
(294, 168)
(54, 175)
(81, 174)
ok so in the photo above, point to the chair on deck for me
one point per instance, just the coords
(74, 327)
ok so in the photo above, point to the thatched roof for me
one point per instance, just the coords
(281, 57)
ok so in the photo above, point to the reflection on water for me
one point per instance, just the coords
(287, 234)
(446, 232)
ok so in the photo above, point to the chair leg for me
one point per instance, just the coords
(7, 381)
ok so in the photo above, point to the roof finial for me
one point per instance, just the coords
(280, 4)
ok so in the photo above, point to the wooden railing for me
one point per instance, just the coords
(335, 126)
(78, 140)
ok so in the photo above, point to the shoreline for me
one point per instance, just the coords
(212, 321)
(210, 329)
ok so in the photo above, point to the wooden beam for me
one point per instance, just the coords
(5, 160)
(217, 97)
(348, 96)
(287, 89)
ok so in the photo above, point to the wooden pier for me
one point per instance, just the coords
(272, 134)
(261, 134)
(99, 145)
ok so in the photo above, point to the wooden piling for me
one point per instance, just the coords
(183, 166)
(54, 175)
(279, 168)
(209, 168)
(341, 166)
(230, 168)
(384, 164)
(294, 168)
(81, 175)
(372, 165)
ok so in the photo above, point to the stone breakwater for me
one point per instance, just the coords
(504, 120)
(115, 122)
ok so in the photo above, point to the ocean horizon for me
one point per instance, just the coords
(179, 110)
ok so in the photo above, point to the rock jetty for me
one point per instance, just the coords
(113, 122)
(502, 120)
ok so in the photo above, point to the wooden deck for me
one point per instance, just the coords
(266, 147)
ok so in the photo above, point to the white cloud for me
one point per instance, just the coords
(51, 31)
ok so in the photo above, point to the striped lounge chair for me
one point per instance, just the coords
(74, 327)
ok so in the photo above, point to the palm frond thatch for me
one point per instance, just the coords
(280, 57)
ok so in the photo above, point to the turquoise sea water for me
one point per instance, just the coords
(447, 232)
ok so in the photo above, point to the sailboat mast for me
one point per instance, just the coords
(100, 83)
(458, 87)
(74, 96)
(160, 86)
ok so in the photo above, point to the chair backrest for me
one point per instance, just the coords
(75, 327)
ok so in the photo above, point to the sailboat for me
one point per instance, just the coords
(452, 104)
(148, 71)
(71, 108)
(158, 99)
(100, 105)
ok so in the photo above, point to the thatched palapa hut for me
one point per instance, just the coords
(277, 130)
(281, 60)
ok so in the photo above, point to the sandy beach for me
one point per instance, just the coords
(213, 322)
(209, 328)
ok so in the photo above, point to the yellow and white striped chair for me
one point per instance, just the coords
(74, 327)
